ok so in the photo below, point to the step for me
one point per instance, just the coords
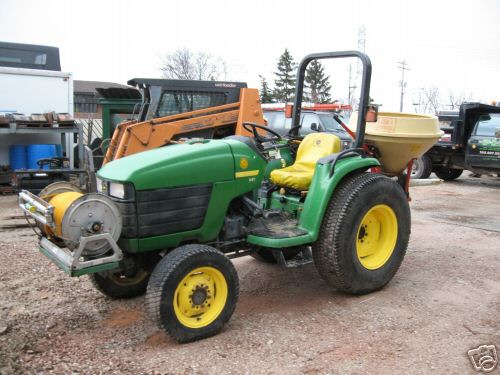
(303, 258)
(275, 225)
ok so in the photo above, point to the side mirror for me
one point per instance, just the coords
(314, 127)
(371, 114)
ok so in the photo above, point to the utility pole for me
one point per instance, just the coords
(352, 87)
(355, 77)
(361, 48)
(402, 83)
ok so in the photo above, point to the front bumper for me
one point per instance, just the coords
(72, 263)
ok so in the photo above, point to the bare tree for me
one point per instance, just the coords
(455, 100)
(186, 64)
(433, 98)
(427, 100)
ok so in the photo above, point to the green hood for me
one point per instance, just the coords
(175, 165)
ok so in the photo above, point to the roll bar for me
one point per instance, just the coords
(365, 89)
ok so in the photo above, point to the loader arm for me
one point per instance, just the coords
(213, 122)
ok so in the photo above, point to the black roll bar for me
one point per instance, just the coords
(365, 89)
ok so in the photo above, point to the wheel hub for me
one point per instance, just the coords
(200, 295)
(362, 233)
(377, 236)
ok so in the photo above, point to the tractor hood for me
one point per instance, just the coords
(190, 163)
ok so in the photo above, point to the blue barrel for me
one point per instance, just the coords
(18, 158)
(37, 152)
(58, 150)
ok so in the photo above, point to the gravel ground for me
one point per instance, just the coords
(444, 301)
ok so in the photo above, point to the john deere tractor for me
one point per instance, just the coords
(166, 222)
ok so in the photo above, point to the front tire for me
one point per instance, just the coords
(448, 174)
(129, 283)
(192, 292)
(364, 234)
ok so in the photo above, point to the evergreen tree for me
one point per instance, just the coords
(266, 96)
(285, 78)
(318, 87)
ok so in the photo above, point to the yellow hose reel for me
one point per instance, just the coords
(78, 215)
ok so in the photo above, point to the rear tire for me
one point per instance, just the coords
(364, 234)
(192, 292)
(447, 174)
(422, 167)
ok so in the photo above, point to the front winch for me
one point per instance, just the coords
(78, 230)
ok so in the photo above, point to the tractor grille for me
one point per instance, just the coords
(165, 211)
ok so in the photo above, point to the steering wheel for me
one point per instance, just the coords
(252, 128)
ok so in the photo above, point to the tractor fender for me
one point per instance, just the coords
(323, 186)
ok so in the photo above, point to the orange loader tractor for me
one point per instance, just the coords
(195, 109)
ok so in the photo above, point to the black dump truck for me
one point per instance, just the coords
(471, 141)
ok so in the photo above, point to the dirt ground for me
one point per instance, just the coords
(444, 300)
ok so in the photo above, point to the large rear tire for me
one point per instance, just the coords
(447, 174)
(192, 292)
(364, 234)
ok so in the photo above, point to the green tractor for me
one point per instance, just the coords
(166, 222)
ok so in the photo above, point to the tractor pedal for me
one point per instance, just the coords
(301, 259)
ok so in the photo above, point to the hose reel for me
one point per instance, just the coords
(79, 215)
(66, 215)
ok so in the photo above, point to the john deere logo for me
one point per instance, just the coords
(243, 163)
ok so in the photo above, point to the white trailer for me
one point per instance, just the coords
(31, 81)
(35, 91)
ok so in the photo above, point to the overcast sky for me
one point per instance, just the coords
(450, 44)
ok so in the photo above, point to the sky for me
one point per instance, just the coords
(453, 45)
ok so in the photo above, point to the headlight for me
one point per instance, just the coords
(117, 190)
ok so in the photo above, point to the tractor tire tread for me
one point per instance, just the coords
(163, 270)
(105, 287)
(327, 259)
(329, 266)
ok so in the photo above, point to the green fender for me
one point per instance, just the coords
(319, 195)
(322, 188)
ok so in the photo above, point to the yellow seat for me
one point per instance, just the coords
(312, 148)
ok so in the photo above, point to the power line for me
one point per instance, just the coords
(402, 83)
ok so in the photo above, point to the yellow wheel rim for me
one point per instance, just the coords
(200, 297)
(377, 236)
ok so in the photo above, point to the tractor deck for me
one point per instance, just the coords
(278, 224)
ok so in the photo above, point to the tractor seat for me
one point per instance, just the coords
(312, 148)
